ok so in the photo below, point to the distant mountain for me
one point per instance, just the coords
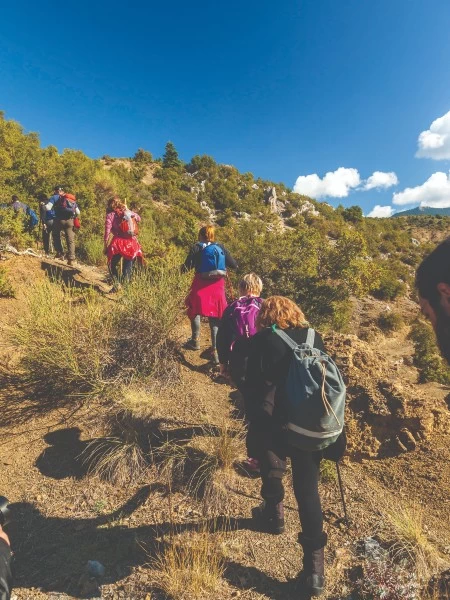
(424, 210)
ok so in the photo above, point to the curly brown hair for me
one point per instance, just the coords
(280, 311)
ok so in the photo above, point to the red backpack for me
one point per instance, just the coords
(128, 224)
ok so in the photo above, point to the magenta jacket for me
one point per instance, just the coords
(112, 224)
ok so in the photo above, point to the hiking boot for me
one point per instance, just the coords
(269, 518)
(70, 263)
(312, 577)
(59, 256)
(192, 344)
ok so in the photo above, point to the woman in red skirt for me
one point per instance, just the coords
(207, 296)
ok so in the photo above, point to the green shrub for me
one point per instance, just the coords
(6, 289)
(90, 250)
(390, 321)
(389, 287)
(427, 358)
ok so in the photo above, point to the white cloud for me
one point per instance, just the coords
(435, 142)
(381, 212)
(379, 179)
(435, 192)
(339, 183)
(335, 184)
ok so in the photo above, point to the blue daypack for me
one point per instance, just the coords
(33, 217)
(315, 396)
(212, 265)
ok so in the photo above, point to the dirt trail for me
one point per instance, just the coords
(68, 517)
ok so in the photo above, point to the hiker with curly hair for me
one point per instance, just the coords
(265, 397)
(120, 239)
(207, 295)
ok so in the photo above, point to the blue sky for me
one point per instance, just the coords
(283, 89)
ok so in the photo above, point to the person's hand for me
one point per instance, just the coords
(3, 536)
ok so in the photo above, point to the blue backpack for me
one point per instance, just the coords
(212, 265)
(33, 217)
(315, 396)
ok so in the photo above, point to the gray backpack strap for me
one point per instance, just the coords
(284, 336)
(310, 337)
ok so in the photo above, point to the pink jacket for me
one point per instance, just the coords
(112, 224)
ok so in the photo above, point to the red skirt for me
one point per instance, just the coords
(129, 248)
(206, 298)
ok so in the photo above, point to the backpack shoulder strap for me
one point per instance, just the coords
(310, 337)
(284, 336)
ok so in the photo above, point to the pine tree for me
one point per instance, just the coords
(170, 158)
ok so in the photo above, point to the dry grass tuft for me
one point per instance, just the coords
(115, 460)
(191, 567)
(406, 526)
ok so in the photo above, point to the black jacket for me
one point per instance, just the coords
(194, 258)
(267, 368)
(5, 571)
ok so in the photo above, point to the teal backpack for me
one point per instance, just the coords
(315, 396)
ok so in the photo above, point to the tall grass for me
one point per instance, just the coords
(65, 343)
(191, 567)
(74, 344)
(146, 320)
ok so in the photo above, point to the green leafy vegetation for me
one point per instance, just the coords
(390, 321)
(319, 256)
(426, 354)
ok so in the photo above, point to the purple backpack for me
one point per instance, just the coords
(244, 313)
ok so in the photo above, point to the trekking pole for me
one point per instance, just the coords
(341, 488)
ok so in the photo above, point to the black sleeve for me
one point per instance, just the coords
(5, 571)
(189, 263)
(225, 336)
(229, 260)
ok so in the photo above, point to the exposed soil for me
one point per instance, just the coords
(399, 451)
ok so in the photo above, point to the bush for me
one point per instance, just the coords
(390, 321)
(426, 354)
(145, 322)
(73, 344)
(6, 289)
(90, 250)
(65, 343)
(389, 288)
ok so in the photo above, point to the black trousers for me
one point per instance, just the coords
(271, 452)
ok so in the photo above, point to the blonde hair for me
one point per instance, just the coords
(280, 311)
(250, 285)
(207, 233)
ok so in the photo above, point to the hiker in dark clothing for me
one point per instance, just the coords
(265, 402)
(65, 210)
(5, 566)
(433, 285)
(207, 295)
(47, 220)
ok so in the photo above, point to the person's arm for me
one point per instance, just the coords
(136, 217)
(51, 202)
(189, 263)
(108, 226)
(229, 260)
(5, 567)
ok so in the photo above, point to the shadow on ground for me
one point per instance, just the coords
(51, 552)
